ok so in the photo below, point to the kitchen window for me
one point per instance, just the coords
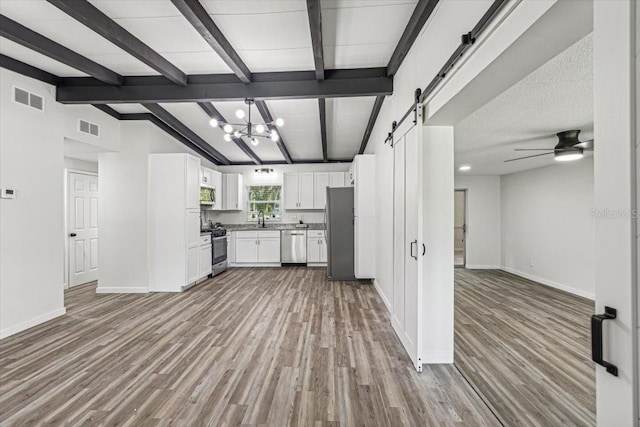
(266, 199)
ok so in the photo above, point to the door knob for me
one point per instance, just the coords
(72, 235)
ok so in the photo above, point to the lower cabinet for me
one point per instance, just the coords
(316, 247)
(205, 256)
(257, 247)
(192, 264)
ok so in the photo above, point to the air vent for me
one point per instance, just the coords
(27, 98)
(89, 128)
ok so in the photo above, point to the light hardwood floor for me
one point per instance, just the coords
(252, 347)
(526, 348)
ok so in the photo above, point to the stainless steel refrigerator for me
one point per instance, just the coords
(339, 231)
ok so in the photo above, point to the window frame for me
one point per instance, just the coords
(277, 203)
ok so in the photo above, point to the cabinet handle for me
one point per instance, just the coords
(596, 339)
(424, 249)
(411, 249)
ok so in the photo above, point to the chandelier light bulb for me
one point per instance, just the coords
(240, 114)
(279, 122)
(236, 134)
(213, 123)
(228, 128)
(254, 141)
(274, 136)
(259, 128)
(227, 137)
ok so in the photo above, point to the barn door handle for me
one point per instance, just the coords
(596, 339)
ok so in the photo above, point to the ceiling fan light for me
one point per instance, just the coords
(227, 137)
(259, 128)
(279, 122)
(240, 114)
(568, 155)
(213, 123)
(228, 128)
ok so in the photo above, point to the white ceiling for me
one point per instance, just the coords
(556, 97)
(269, 36)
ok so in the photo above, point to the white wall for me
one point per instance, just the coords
(483, 220)
(80, 165)
(122, 212)
(250, 177)
(31, 225)
(546, 217)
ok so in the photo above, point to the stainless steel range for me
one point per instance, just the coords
(218, 250)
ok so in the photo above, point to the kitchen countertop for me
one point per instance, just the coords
(272, 226)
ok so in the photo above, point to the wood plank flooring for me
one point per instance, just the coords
(250, 347)
(526, 348)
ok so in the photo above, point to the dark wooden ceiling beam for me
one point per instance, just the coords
(290, 85)
(28, 38)
(377, 105)
(266, 116)
(197, 16)
(108, 110)
(322, 106)
(28, 70)
(315, 25)
(213, 113)
(419, 17)
(170, 120)
(89, 15)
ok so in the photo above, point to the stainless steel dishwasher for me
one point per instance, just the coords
(293, 246)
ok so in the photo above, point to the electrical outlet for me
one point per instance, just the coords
(531, 263)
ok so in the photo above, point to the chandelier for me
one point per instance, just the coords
(253, 131)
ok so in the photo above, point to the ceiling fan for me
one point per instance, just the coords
(569, 147)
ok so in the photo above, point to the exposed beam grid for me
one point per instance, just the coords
(322, 106)
(288, 85)
(108, 110)
(377, 105)
(28, 38)
(213, 113)
(315, 25)
(28, 70)
(170, 120)
(266, 116)
(89, 15)
(419, 17)
(198, 17)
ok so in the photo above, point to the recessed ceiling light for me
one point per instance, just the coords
(464, 168)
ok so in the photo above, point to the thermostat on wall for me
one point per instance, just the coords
(7, 193)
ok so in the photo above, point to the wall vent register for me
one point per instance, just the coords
(88, 128)
(27, 98)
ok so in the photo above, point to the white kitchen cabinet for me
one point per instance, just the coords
(232, 192)
(204, 261)
(205, 176)
(316, 247)
(257, 247)
(231, 247)
(337, 179)
(298, 190)
(321, 182)
(174, 221)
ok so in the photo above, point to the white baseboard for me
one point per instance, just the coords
(121, 290)
(267, 264)
(11, 330)
(551, 283)
(437, 357)
(482, 267)
(382, 296)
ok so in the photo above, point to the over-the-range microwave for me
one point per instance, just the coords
(208, 196)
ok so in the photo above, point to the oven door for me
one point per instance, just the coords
(219, 249)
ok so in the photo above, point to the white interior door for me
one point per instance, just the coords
(83, 228)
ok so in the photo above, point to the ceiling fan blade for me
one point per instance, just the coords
(528, 157)
(586, 145)
(533, 149)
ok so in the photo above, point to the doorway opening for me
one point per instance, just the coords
(460, 228)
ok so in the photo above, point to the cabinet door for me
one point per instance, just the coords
(232, 184)
(313, 249)
(193, 228)
(193, 258)
(269, 249)
(205, 261)
(321, 182)
(291, 191)
(322, 249)
(306, 191)
(336, 179)
(192, 182)
(347, 179)
(231, 247)
(247, 251)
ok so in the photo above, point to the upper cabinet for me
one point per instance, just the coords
(192, 187)
(212, 180)
(298, 190)
(321, 182)
(337, 179)
(363, 176)
(205, 177)
(232, 192)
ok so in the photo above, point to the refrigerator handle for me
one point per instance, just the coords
(325, 222)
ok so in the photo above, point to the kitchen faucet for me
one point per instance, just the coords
(260, 214)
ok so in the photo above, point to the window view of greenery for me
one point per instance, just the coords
(266, 199)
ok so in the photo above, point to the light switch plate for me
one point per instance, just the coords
(7, 193)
